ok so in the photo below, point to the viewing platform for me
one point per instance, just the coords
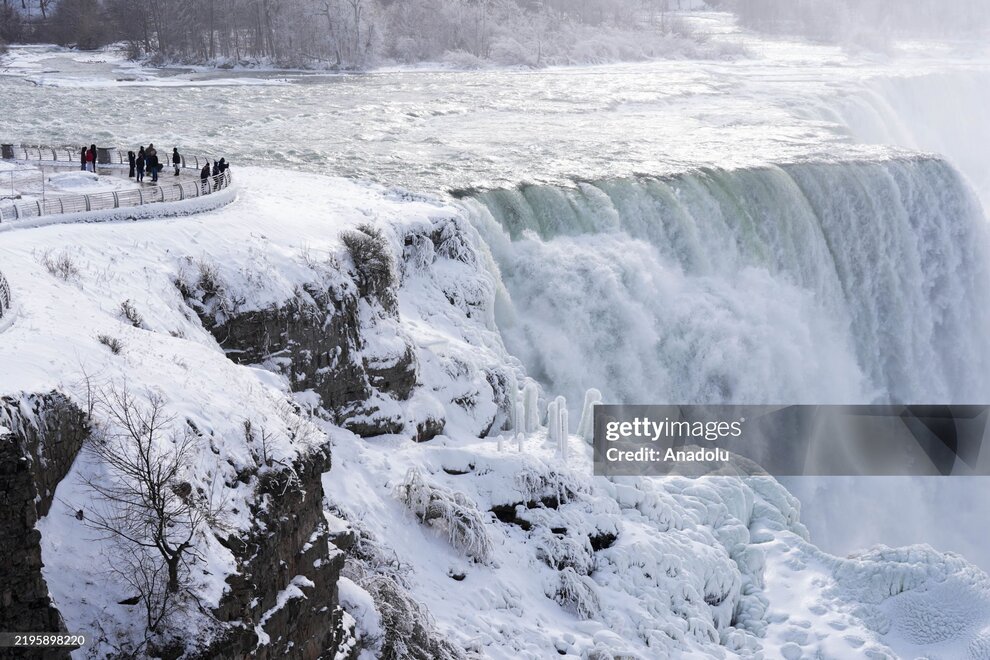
(40, 181)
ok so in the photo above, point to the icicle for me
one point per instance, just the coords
(562, 432)
(519, 441)
(531, 408)
(553, 419)
(586, 427)
(500, 442)
(520, 425)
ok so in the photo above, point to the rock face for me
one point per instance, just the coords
(288, 554)
(340, 338)
(40, 436)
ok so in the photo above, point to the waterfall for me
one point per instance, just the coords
(931, 112)
(813, 282)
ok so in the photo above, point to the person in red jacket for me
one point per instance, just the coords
(91, 158)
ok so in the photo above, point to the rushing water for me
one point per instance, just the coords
(437, 131)
(755, 231)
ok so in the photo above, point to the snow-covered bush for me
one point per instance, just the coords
(114, 344)
(562, 551)
(372, 259)
(450, 512)
(409, 630)
(60, 264)
(130, 313)
(538, 482)
(577, 593)
(200, 283)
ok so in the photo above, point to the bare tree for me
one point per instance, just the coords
(142, 503)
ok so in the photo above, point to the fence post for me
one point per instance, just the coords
(61, 205)
(40, 211)
(116, 200)
(86, 197)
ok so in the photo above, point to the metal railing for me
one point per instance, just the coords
(107, 201)
(105, 155)
(4, 296)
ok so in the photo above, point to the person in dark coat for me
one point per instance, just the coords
(223, 166)
(153, 165)
(140, 163)
(91, 158)
(204, 176)
(176, 159)
(216, 175)
(82, 159)
(131, 161)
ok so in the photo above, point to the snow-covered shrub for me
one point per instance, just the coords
(409, 630)
(577, 594)
(560, 552)
(450, 512)
(114, 344)
(538, 482)
(372, 259)
(200, 282)
(130, 313)
(60, 265)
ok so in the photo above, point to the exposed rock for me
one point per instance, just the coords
(45, 434)
(317, 340)
(290, 546)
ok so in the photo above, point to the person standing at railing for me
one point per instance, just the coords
(82, 159)
(132, 162)
(204, 177)
(151, 155)
(91, 158)
(216, 175)
(139, 164)
(176, 159)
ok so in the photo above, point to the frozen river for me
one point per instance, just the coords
(436, 130)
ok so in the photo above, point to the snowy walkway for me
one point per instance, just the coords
(47, 187)
(37, 203)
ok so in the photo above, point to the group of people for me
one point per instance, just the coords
(146, 161)
(217, 169)
(87, 159)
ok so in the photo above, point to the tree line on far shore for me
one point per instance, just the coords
(356, 34)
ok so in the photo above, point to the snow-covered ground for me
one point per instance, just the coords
(645, 568)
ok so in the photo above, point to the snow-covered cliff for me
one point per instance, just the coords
(305, 337)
